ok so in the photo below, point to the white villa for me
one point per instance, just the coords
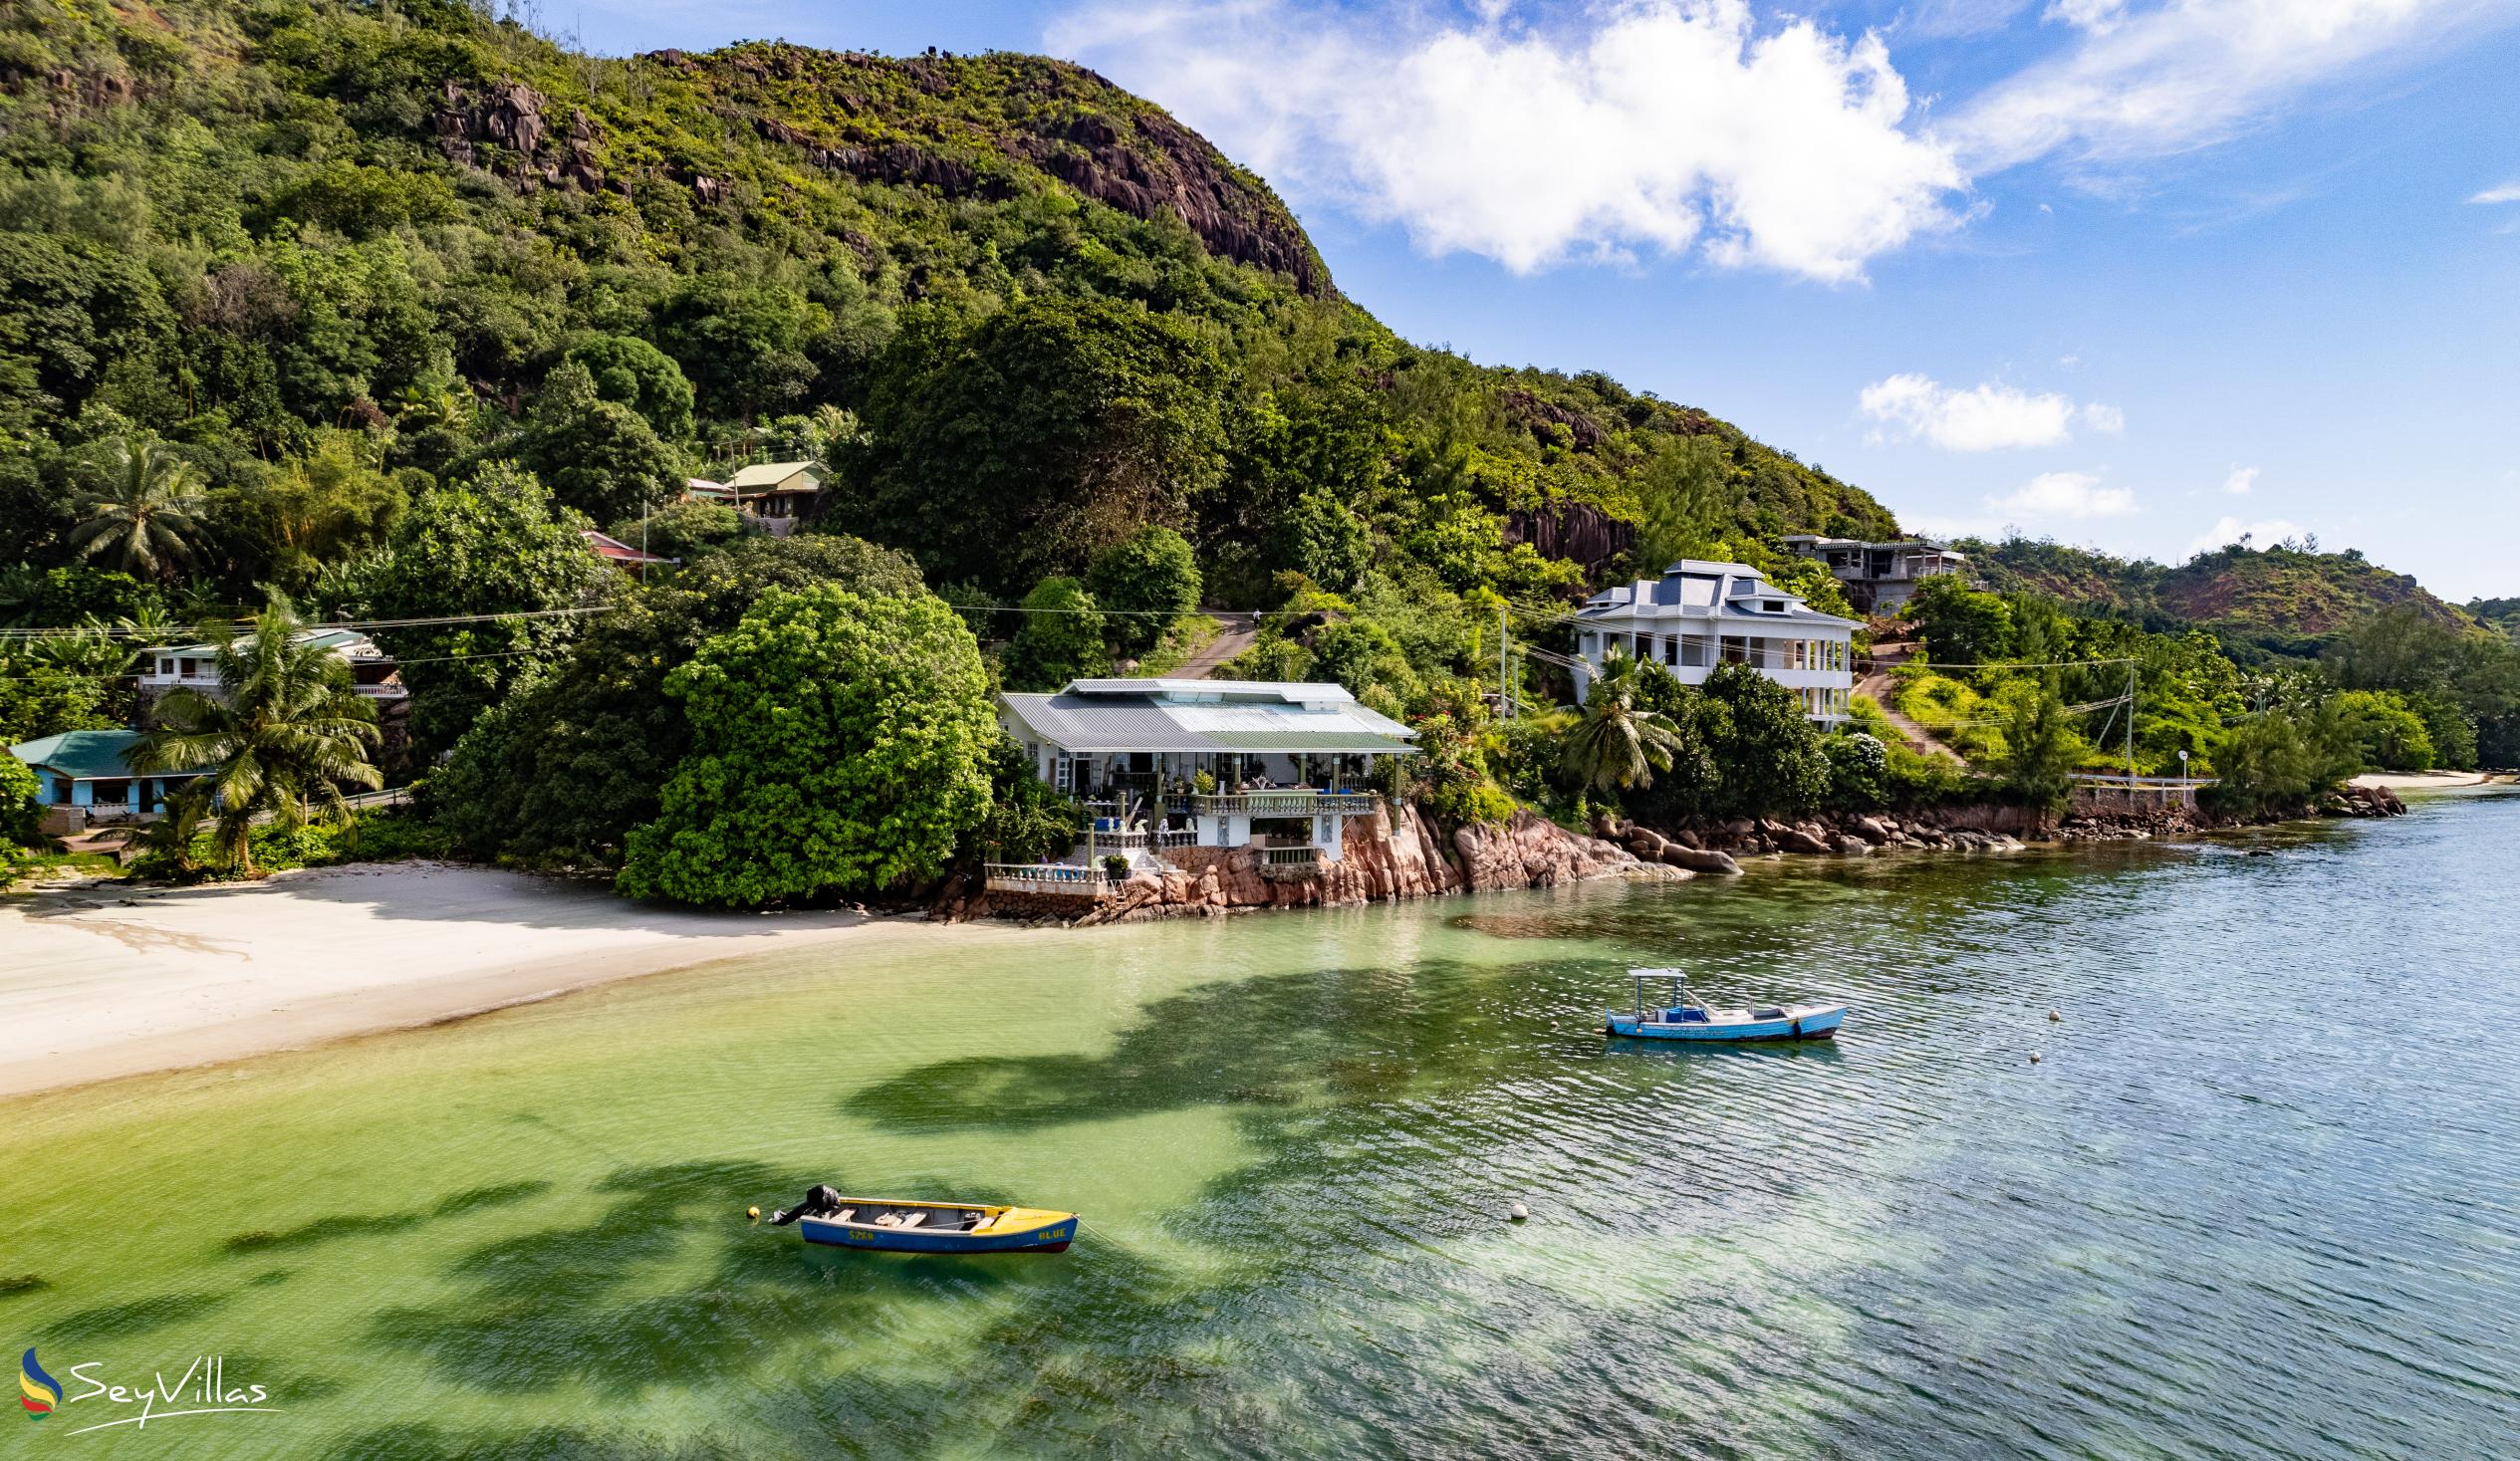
(1171, 763)
(1699, 615)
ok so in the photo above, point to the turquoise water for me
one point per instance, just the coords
(2255, 1199)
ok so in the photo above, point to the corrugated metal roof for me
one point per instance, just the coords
(769, 475)
(1103, 719)
(1325, 742)
(86, 755)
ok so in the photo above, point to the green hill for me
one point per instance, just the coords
(296, 232)
(2276, 600)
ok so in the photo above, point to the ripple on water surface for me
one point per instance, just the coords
(2249, 1202)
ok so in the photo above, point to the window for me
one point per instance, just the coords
(1672, 650)
(1693, 652)
(110, 792)
(167, 665)
(1062, 773)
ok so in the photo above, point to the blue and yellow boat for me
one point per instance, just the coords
(896, 1225)
(1685, 1017)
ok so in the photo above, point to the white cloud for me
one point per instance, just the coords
(2241, 480)
(2076, 495)
(2096, 16)
(1985, 418)
(1662, 125)
(2231, 530)
(2191, 73)
(2508, 192)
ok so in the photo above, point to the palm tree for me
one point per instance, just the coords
(146, 517)
(1619, 744)
(283, 734)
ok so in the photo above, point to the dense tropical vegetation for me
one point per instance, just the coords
(384, 305)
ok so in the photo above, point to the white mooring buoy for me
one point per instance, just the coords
(1517, 1212)
(2056, 1016)
(2035, 1058)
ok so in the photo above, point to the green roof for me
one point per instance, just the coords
(80, 754)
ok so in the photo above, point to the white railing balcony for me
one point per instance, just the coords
(1122, 842)
(1289, 802)
(1053, 879)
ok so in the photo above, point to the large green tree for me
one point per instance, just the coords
(630, 372)
(596, 456)
(2041, 748)
(1144, 582)
(493, 546)
(1060, 638)
(1767, 754)
(1028, 443)
(840, 744)
(280, 738)
(560, 770)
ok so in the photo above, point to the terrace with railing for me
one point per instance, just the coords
(1049, 878)
(1288, 802)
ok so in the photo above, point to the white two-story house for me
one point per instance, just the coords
(1699, 615)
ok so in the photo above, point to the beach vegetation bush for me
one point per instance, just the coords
(840, 744)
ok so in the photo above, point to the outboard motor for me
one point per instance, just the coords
(819, 1202)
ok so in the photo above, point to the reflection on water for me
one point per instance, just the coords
(2245, 1204)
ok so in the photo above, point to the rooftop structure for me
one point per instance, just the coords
(620, 553)
(1880, 577)
(1701, 614)
(773, 496)
(89, 772)
(1172, 763)
(375, 673)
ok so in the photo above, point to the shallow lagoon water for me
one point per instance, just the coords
(2254, 1200)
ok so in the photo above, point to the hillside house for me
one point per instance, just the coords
(373, 673)
(1702, 613)
(1164, 762)
(773, 496)
(1880, 577)
(88, 775)
(622, 556)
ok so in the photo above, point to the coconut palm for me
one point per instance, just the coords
(282, 735)
(146, 516)
(1619, 744)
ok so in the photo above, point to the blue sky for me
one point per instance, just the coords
(2130, 275)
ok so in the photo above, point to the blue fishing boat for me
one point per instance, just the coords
(895, 1225)
(1687, 1017)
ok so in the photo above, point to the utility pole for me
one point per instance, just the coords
(1504, 684)
(2130, 793)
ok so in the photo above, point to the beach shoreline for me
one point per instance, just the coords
(2428, 781)
(104, 981)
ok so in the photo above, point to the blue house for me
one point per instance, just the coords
(91, 770)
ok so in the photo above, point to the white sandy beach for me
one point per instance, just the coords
(101, 982)
(2425, 781)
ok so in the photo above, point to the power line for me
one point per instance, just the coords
(165, 634)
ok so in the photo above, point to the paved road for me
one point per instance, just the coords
(1240, 630)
